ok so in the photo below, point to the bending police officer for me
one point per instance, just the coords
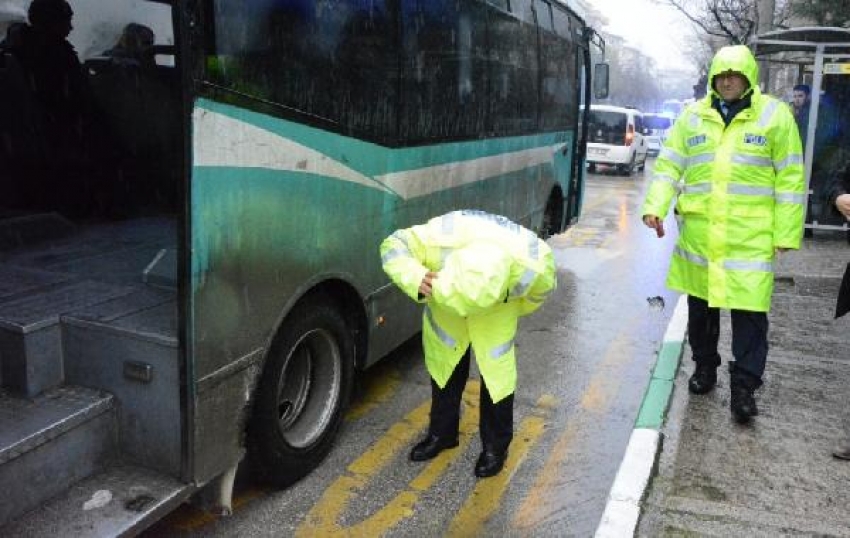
(476, 273)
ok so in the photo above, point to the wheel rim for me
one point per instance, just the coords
(309, 388)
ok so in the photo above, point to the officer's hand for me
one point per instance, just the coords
(652, 221)
(425, 286)
(843, 205)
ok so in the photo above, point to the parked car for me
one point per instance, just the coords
(657, 126)
(616, 138)
(653, 145)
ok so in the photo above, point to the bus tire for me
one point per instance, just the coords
(552, 216)
(302, 394)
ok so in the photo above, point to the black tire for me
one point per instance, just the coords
(552, 216)
(627, 169)
(302, 394)
(591, 168)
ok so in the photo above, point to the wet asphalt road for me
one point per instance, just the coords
(584, 362)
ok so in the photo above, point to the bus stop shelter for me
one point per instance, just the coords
(820, 58)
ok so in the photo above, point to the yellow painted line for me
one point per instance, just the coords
(589, 206)
(580, 236)
(529, 512)
(596, 399)
(402, 505)
(378, 390)
(323, 518)
(485, 499)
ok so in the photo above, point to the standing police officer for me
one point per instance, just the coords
(477, 273)
(742, 200)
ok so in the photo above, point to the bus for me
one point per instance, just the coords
(191, 204)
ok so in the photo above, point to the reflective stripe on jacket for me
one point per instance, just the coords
(490, 272)
(741, 193)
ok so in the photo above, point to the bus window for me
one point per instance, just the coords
(513, 67)
(336, 65)
(558, 67)
(444, 70)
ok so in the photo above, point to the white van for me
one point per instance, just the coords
(616, 138)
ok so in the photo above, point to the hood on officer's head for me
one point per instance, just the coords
(737, 58)
(473, 279)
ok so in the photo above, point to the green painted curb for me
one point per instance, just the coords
(668, 361)
(657, 396)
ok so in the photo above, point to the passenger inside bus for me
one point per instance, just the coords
(134, 46)
(91, 140)
(53, 137)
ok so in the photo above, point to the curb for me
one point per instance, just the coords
(623, 507)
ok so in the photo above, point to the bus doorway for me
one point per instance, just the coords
(91, 178)
(815, 61)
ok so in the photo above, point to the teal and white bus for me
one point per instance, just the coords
(190, 218)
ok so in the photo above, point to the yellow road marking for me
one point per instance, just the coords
(596, 399)
(378, 390)
(323, 518)
(483, 502)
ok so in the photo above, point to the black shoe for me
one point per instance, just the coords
(743, 404)
(429, 447)
(490, 463)
(703, 379)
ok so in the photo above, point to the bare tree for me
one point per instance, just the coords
(733, 21)
(823, 12)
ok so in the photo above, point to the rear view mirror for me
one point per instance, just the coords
(600, 81)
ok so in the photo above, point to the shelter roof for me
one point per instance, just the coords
(804, 38)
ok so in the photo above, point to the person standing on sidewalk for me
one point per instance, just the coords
(476, 273)
(838, 194)
(742, 200)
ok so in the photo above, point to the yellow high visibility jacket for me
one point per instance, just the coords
(741, 193)
(490, 272)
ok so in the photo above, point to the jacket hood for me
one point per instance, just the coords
(736, 58)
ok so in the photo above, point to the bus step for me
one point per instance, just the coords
(49, 442)
(120, 500)
(129, 347)
(30, 335)
(19, 230)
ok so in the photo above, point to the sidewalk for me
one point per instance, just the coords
(776, 477)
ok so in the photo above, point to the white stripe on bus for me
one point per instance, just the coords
(220, 140)
(424, 181)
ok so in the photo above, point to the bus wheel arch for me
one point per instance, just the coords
(553, 215)
(304, 389)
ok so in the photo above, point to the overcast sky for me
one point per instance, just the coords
(658, 30)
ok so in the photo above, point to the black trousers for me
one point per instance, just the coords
(749, 339)
(496, 422)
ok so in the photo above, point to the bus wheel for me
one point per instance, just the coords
(552, 217)
(302, 394)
